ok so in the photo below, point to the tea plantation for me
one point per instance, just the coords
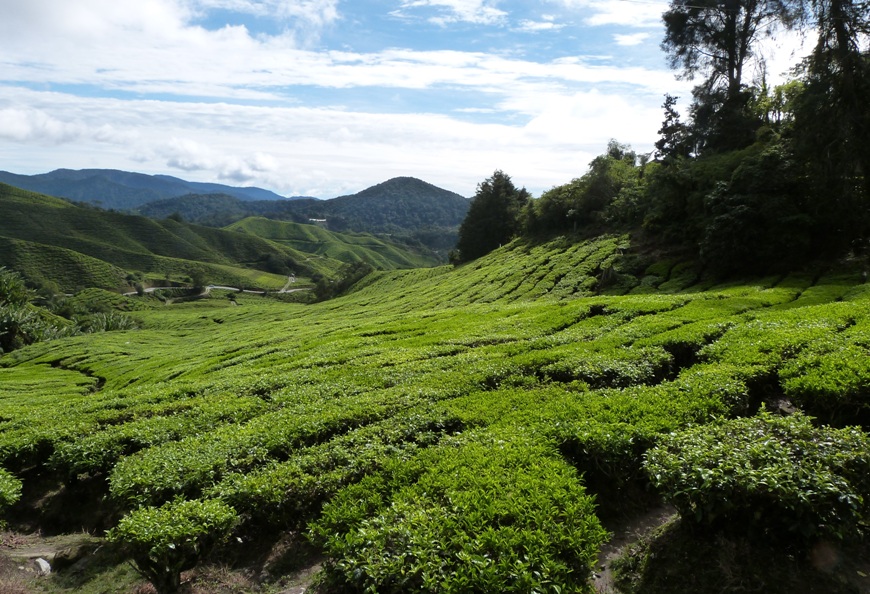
(464, 429)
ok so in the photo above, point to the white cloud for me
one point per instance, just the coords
(593, 118)
(631, 39)
(24, 124)
(162, 91)
(481, 12)
(783, 52)
(546, 24)
(642, 13)
(328, 152)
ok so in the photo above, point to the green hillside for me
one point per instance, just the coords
(343, 247)
(464, 429)
(65, 268)
(409, 209)
(90, 247)
(77, 238)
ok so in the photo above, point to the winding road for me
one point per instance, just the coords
(207, 289)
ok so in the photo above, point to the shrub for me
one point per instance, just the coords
(500, 514)
(10, 489)
(164, 541)
(773, 474)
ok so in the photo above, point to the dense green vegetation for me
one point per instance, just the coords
(348, 248)
(754, 179)
(406, 209)
(450, 429)
(474, 428)
(63, 248)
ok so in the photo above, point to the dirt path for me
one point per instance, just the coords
(625, 533)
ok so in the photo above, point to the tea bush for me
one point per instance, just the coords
(10, 489)
(170, 539)
(776, 474)
(494, 513)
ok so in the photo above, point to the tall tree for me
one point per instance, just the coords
(716, 39)
(673, 142)
(832, 121)
(492, 218)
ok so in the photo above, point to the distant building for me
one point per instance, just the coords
(321, 222)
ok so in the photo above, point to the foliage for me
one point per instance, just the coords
(167, 540)
(718, 40)
(767, 473)
(348, 276)
(13, 292)
(421, 390)
(492, 218)
(758, 220)
(487, 516)
(10, 489)
(319, 250)
(608, 192)
(75, 246)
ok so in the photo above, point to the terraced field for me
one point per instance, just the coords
(438, 430)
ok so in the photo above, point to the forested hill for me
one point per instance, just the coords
(408, 209)
(399, 205)
(68, 246)
(122, 190)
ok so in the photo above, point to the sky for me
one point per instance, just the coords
(328, 97)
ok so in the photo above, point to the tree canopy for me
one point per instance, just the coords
(492, 218)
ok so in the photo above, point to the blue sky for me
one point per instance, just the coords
(328, 97)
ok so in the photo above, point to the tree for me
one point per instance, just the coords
(716, 38)
(832, 122)
(493, 217)
(673, 142)
(591, 201)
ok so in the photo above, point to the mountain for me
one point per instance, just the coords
(122, 190)
(405, 207)
(50, 239)
(398, 203)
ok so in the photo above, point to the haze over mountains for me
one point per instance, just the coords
(399, 205)
(122, 190)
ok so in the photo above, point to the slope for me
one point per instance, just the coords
(436, 430)
(132, 243)
(346, 247)
(402, 206)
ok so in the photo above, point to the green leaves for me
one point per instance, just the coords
(767, 473)
(167, 540)
(492, 512)
(10, 489)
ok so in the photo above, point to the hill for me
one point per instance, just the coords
(401, 203)
(447, 429)
(405, 207)
(49, 239)
(346, 247)
(122, 190)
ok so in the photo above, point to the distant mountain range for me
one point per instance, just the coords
(399, 205)
(123, 190)
(50, 240)
(405, 207)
